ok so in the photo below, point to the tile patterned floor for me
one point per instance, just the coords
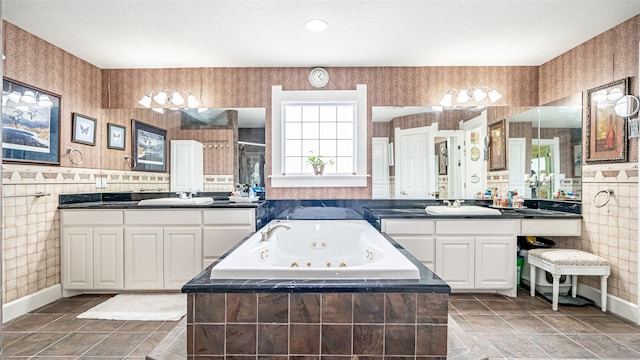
(481, 327)
(53, 332)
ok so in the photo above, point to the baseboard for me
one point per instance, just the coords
(615, 305)
(18, 307)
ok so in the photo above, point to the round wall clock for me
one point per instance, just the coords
(318, 77)
(475, 154)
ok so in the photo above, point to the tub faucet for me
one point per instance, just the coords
(266, 234)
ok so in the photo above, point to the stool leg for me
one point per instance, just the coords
(532, 280)
(603, 293)
(556, 290)
(574, 285)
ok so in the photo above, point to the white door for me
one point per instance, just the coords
(412, 176)
(182, 255)
(495, 262)
(380, 168)
(77, 257)
(143, 258)
(108, 258)
(455, 261)
(517, 166)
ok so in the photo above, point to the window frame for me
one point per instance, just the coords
(280, 98)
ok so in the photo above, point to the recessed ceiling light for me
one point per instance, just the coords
(316, 25)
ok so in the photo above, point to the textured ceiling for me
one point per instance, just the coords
(115, 34)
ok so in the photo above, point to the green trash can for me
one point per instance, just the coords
(520, 264)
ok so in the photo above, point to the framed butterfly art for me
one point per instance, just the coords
(84, 129)
(116, 135)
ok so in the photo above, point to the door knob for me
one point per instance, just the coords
(403, 193)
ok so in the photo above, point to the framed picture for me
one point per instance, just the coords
(443, 154)
(30, 124)
(606, 133)
(497, 146)
(149, 147)
(84, 129)
(116, 135)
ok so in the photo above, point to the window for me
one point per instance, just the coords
(325, 129)
(332, 124)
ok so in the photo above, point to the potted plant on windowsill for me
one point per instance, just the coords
(318, 163)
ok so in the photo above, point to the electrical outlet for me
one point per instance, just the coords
(101, 183)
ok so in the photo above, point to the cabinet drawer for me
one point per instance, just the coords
(551, 227)
(228, 217)
(407, 226)
(477, 227)
(91, 217)
(162, 217)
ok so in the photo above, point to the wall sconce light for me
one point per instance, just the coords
(169, 97)
(474, 94)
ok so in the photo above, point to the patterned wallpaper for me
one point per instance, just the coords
(88, 90)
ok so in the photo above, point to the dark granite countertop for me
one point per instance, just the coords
(507, 213)
(134, 205)
(428, 282)
(129, 200)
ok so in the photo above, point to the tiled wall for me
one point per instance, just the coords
(305, 325)
(31, 234)
(610, 231)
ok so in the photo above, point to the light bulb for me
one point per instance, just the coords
(446, 99)
(478, 94)
(192, 102)
(494, 95)
(463, 96)
(44, 101)
(146, 101)
(161, 98)
(29, 97)
(176, 98)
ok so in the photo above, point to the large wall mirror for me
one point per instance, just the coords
(442, 153)
(233, 140)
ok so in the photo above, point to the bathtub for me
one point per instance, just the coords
(317, 249)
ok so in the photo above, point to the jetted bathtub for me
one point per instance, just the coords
(317, 249)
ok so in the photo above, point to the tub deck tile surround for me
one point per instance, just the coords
(304, 319)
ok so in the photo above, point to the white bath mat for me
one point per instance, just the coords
(144, 307)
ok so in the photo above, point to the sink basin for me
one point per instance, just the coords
(462, 210)
(176, 201)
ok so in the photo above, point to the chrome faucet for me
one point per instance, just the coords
(456, 203)
(266, 234)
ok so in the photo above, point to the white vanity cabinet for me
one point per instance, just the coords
(477, 254)
(551, 227)
(222, 229)
(145, 249)
(163, 248)
(92, 249)
(415, 235)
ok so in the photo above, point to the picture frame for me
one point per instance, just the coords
(149, 147)
(31, 128)
(497, 146)
(116, 136)
(84, 129)
(442, 152)
(606, 132)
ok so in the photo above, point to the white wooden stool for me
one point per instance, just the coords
(569, 262)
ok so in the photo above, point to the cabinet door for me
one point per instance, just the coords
(182, 255)
(108, 258)
(219, 239)
(422, 247)
(495, 262)
(77, 257)
(455, 263)
(143, 259)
